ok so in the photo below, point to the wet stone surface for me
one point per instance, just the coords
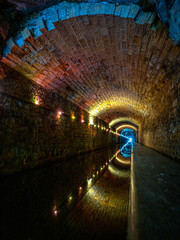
(81, 198)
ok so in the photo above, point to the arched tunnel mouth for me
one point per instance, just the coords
(127, 138)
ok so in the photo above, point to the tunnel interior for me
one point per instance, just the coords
(68, 64)
(82, 76)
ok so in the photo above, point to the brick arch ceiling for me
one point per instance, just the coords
(105, 62)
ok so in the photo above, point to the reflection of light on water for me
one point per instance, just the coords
(98, 200)
(55, 211)
(89, 182)
(70, 199)
(98, 197)
(115, 171)
(126, 162)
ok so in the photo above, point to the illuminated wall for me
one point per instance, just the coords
(38, 125)
(114, 61)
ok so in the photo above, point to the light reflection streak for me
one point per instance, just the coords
(97, 197)
(55, 211)
(123, 161)
(115, 171)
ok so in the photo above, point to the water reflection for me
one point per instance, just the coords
(30, 202)
(125, 146)
(39, 203)
(126, 151)
(103, 210)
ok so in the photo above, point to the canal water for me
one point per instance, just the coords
(85, 197)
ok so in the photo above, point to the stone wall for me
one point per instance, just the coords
(31, 133)
(162, 132)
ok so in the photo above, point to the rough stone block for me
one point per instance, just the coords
(162, 10)
(19, 40)
(53, 14)
(174, 22)
(62, 14)
(133, 11)
(76, 9)
(10, 43)
(91, 9)
(84, 7)
(125, 11)
(62, 11)
(151, 18)
(36, 32)
(35, 25)
(40, 23)
(6, 51)
(25, 33)
(98, 8)
(142, 17)
(109, 8)
(49, 24)
(118, 10)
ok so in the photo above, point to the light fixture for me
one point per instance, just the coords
(55, 211)
(91, 121)
(89, 180)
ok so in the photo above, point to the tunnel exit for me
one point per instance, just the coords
(127, 137)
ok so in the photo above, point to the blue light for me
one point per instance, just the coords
(128, 137)
(126, 144)
(128, 133)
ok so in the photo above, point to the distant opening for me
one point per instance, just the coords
(127, 137)
(128, 133)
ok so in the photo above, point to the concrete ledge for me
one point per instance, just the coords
(154, 197)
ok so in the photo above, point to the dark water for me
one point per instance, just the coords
(57, 201)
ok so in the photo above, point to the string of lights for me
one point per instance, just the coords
(73, 117)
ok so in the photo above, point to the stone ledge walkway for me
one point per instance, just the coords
(156, 204)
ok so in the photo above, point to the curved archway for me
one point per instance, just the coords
(123, 126)
(100, 57)
(61, 69)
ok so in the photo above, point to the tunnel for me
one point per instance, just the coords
(90, 119)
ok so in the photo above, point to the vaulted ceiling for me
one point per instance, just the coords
(109, 65)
